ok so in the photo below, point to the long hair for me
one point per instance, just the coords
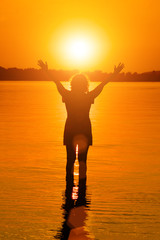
(79, 83)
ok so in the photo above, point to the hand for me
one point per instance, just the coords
(118, 68)
(42, 65)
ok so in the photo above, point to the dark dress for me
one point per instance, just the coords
(78, 122)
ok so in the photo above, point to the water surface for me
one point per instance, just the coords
(123, 164)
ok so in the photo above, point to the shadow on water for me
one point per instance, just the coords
(75, 208)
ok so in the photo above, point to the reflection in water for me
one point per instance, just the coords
(75, 213)
(75, 209)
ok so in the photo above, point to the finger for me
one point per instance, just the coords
(39, 63)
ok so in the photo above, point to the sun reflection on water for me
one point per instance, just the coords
(76, 177)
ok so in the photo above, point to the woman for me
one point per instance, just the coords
(78, 126)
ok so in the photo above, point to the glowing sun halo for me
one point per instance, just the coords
(78, 46)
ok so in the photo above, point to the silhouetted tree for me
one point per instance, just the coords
(32, 74)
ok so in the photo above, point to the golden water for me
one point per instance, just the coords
(123, 184)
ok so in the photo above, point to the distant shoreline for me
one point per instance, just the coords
(32, 74)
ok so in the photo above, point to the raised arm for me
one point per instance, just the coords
(95, 92)
(44, 66)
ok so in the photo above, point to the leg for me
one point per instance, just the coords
(82, 157)
(71, 156)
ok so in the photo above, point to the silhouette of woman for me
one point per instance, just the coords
(78, 126)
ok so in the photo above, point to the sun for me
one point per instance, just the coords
(78, 45)
(78, 49)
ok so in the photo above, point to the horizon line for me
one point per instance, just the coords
(77, 70)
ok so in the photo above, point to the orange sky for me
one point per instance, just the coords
(129, 30)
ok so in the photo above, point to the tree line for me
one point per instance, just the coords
(32, 74)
